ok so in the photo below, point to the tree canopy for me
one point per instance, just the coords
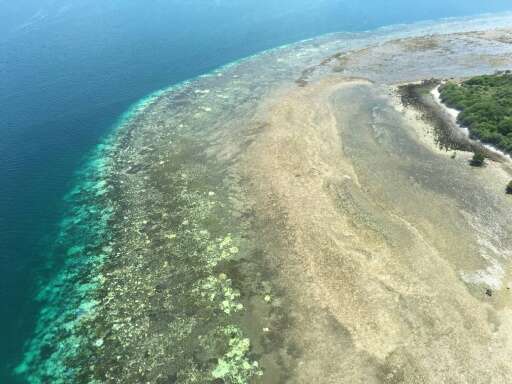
(485, 103)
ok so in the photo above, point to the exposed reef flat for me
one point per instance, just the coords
(284, 220)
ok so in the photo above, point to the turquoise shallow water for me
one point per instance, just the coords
(77, 253)
(59, 98)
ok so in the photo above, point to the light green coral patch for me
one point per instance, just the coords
(235, 366)
(219, 290)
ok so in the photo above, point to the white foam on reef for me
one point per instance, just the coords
(139, 107)
(454, 115)
(491, 250)
(492, 276)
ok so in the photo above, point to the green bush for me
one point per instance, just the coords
(509, 188)
(485, 103)
(478, 160)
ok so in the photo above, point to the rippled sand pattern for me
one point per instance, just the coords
(284, 219)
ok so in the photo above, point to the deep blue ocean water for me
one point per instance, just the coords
(68, 70)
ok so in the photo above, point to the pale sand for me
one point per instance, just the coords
(370, 258)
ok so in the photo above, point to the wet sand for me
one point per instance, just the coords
(394, 257)
(386, 260)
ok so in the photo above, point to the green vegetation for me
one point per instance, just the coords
(485, 103)
(478, 160)
(509, 188)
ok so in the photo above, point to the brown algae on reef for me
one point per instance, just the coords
(280, 220)
(168, 288)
